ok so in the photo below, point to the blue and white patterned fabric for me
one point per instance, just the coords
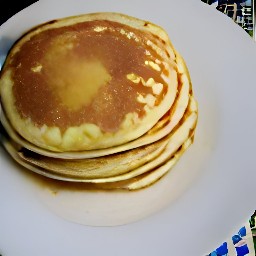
(240, 244)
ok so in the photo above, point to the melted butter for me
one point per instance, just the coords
(79, 85)
(73, 79)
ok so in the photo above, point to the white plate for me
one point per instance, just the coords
(212, 187)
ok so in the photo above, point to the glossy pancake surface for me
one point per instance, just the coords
(89, 82)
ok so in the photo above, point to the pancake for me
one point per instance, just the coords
(92, 168)
(149, 178)
(103, 100)
(112, 168)
(88, 82)
(163, 127)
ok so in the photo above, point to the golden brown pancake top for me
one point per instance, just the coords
(77, 74)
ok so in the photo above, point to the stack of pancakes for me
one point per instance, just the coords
(101, 98)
